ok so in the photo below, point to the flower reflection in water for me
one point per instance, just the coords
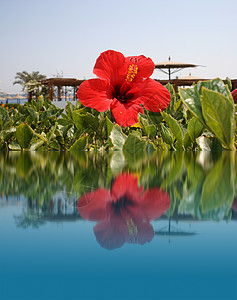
(123, 213)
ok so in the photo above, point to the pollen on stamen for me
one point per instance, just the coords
(132, 72)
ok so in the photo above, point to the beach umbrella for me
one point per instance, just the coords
(170, 67)
(18, 96)
(10, 97)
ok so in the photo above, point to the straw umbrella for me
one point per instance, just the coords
(170, 67)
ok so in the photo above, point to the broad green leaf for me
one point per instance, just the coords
(208, 143)
(117, 137)
(14, 146)
(216, 85)
(134, 149)
(85, 121)
(79, 144)
(143, 121)
(150, 147)
(195, 128)
(187, 141)
(54, 145)
(134, 143)
(34, 114)
(191, 98)
(155, 118)
(50, 114)
(218, 188)
(218, 112)
(175, 127)
(167, 135)
(151, 131)
(4, 115)
(24, 134)
(36, 145)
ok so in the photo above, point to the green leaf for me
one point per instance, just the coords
(143, 121)
(134, 148)
(24, 134)
(34, 114)
(151, 131)
(14, 146)
(155, 118)
(167, 135)
(134, 143)
(208, 143)
(175, 127)
(191, 98)
(79, 144)
(85, 121)
(4, 115)
(170, 108)
(150, 147)
(216, 85)
(109, 126)
(187, 141)
(218, 112)
(54, 145)
(117, 137)
(195, 128)
(36, 145)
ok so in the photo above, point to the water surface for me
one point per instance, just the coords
(115, 226)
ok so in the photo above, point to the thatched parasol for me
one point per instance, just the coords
(173, 66)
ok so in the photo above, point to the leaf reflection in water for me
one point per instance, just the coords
(117, 191)
(124, 212)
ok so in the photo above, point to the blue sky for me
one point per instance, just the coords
(66, 36)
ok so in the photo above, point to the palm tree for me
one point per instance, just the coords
(29, 81)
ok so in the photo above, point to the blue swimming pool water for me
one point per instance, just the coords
(52, 256)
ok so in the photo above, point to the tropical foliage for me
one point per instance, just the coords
(201, 117)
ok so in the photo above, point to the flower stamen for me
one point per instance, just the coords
(132, 72)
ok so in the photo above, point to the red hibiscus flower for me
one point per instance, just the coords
(234, 95)
(123, 213)
(123, 86)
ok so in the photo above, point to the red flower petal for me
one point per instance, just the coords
(155, 203)
(145, 66)
(95, 93)
(154, 96)
(93, 206)
(126, 114)
(110, 65)
(110, 234)
(126, 184)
